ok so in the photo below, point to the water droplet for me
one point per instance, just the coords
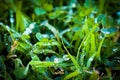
(118, 61)
(6, 44)
(1, 23)
(28, 30)
(118, 21)
(66, 58)
(106, 32)
(31, 26)
(47, 59)
(91, 15)
(101, 37)
(25, 33)
(12, 20)
(70, 12)
(7, 26)
(114, 49)
(48, 44)
(91, 59)
(42, 51)
(84, 43)
(51, 36)
(95, 20)
(118, 13)
(44, 23)
(25, 22)
(45, 36)
(56, 60)
(73, 5)
(54, 43)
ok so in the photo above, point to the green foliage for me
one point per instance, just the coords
(59, 40)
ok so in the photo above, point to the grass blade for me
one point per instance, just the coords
(73, 74)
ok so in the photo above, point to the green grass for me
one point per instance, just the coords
(59, 40)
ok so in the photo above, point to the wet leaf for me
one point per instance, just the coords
(41, 64)
(108, 30)
(39, 11)
(38, 36)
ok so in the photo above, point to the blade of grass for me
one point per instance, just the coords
(73, 74)
(18, 15)
(78, 67)
(51, 28)
(92, 43)
(99, 49)
(26, 70)
(86, 38)
(42, 64)
(101, 6)
(21, 19)
(71, 57)
(90, 60)
(109, 73)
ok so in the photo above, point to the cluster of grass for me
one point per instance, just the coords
(59, 40)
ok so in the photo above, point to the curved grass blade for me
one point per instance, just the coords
(78, 67)
(52, 28)
(73, 74)
(41, 64)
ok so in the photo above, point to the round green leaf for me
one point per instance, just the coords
(108, 30)
(38, 36)
(48, 7)
(39, 11)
